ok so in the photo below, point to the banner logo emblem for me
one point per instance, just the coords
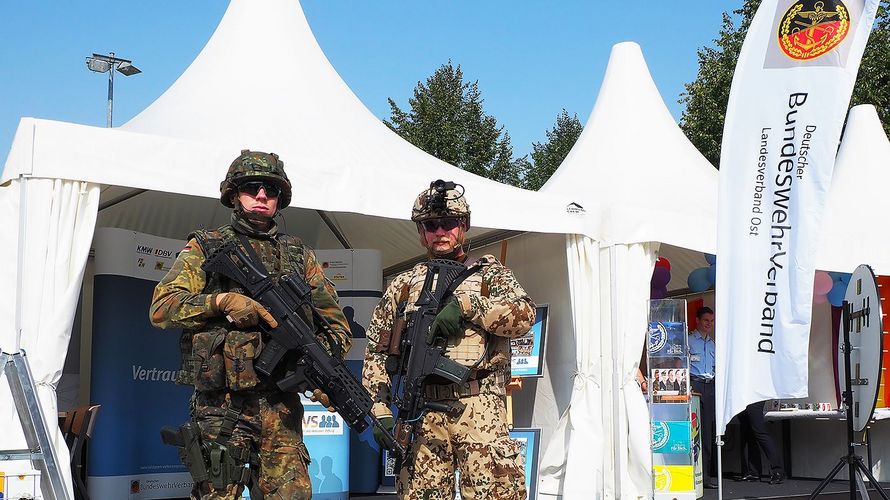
(661, 434)
(809, 29)
(658, 338)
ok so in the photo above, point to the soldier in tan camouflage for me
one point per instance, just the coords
(489, 308)
(258, 427)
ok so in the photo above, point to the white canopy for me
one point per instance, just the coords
(268, 89)
(855, 225)
(634, 161)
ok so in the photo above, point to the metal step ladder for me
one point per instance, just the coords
(41, 451)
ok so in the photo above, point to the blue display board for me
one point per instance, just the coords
(530, 440)
(528, 350)
(133, 369)
(327, 439)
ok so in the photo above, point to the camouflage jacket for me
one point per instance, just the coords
(494, 308)
(182, 299)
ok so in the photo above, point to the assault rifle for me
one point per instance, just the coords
(313, 366)
(417, 355)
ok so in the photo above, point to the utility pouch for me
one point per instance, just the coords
(208, 363)
(228, 465)
(240, 350)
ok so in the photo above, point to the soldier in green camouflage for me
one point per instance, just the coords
(489, 308)
(258, 426)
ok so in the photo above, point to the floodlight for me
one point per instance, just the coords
(107, 64)
(127, 69)
(98, 65)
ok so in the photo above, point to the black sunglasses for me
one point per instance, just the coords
(446, 224)
(253, 188)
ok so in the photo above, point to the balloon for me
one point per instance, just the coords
(822, 283)
(698, 280)
(712, 259)
(661, 276)
(662, 262)
(657, 292)
(712, 274)
(837, 293)
(820, 299)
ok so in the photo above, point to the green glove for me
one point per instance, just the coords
(388, 423)
(447, 322)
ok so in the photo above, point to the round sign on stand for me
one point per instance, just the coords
(866, 343)
(862, 346)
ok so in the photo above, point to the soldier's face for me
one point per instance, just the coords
(439, 240)
(260, 203)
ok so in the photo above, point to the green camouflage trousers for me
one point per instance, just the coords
(491, 464)
(271, 426)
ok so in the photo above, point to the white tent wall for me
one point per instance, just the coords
(572, 465)
(630, 273)
(55, 220)
(538, 262)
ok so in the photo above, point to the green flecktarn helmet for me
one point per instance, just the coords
(255, 165)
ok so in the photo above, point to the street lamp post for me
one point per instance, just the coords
(108, 64)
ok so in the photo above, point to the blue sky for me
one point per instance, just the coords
(531, 58)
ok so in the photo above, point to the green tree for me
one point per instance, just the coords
(873, 81)
(706, 97)
(446, 119)
(549, 155)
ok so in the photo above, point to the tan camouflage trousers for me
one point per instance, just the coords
(477, 444)
(271, 426)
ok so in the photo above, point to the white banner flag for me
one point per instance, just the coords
(789, 96)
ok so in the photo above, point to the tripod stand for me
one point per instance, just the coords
(854, 463)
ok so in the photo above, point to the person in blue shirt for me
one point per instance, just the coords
(702, 369)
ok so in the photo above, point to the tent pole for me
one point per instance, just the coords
(334, 229)
(20, 261)
(121, 198)
(615, 332)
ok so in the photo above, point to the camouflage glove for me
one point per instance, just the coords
(388, 423)
(447, 322)
(243, 311)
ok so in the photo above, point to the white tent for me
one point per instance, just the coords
(855, 225)
(654, 187)
(269, 89)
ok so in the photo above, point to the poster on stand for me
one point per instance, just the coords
(528, 351)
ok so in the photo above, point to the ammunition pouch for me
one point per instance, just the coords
(207, 360)
(240, 349)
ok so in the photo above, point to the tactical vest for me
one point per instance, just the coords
(216, 355)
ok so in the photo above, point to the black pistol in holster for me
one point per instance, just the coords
(309, 365)
(187, 440)
(218, 463)
(416, 358)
